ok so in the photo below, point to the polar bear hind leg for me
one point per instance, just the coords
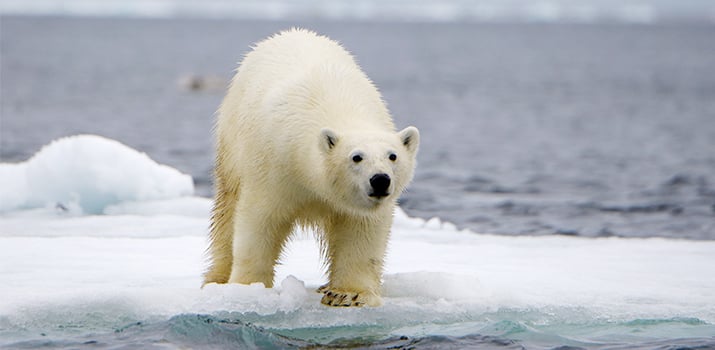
(221, 235)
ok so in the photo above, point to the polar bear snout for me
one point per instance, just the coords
(380, 183)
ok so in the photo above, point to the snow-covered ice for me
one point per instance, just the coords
(66, 274)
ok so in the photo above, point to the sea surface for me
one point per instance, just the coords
(574, 129)
(531, 128)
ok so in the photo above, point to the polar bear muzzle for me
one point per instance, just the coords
(380, 183)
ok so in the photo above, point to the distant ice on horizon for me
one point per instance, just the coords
(644, 11)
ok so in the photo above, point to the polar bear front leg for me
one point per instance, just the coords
(257, 243)
(356, 251)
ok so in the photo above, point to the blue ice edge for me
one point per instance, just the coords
(505, 328)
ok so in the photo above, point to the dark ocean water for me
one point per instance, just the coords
(589, 130)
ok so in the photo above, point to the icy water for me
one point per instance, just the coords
(586, 130)
(207, 332)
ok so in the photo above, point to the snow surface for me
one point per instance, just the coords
(142, 260)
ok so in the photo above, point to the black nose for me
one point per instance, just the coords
(380, 183)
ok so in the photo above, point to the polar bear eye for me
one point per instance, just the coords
(357, 158)
(393, 157)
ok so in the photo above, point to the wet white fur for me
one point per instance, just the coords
(297, 112)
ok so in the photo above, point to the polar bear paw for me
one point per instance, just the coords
(344, 298)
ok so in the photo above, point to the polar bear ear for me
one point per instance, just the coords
(328, 139)
(410, 138)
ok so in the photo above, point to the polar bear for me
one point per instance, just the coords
(305, 139)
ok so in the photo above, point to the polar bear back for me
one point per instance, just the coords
(288, 88)
(298, 74)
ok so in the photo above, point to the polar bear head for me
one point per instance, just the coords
(367, 168)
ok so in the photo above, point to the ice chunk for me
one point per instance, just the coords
(87, 173)
(293, 292)
(433, 224)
